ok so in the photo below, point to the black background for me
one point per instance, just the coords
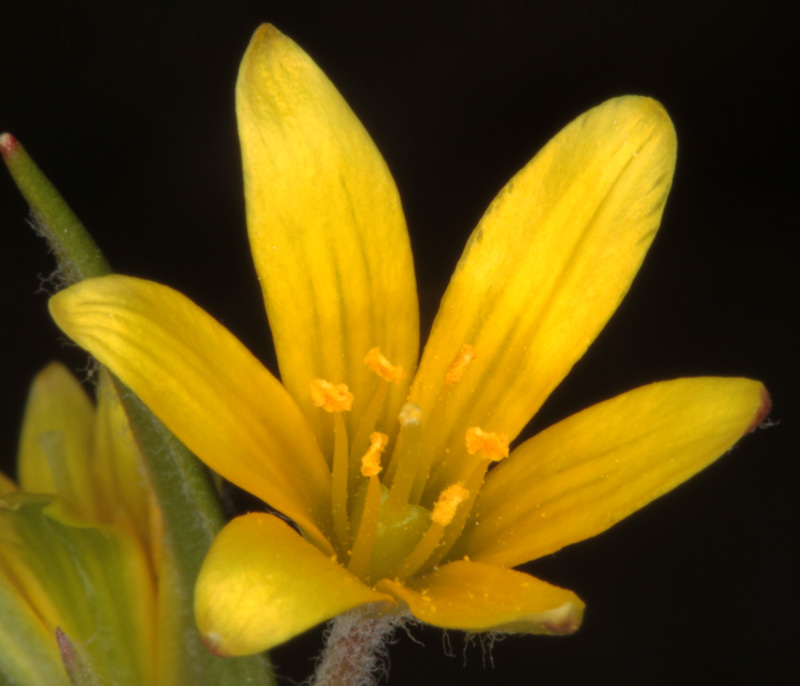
(128, 107)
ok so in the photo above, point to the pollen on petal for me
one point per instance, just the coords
(459, 364)
(449, 499)
(331, 397)
(489, 445)
(382, 367)
(371, 462)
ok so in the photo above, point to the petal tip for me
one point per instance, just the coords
(650, 112)
(213, 643)
(565, 620)
(266, 37)
(764, 408)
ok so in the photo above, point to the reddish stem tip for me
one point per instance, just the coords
(8, 144)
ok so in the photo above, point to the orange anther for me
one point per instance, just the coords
(449, 499)
(331, 397)
(487, 444)
(371, 462)
(382, 367)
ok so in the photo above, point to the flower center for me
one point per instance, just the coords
(380, 529)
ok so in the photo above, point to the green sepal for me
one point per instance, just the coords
(76, 665)
(76, 252)
(92, 582)
(28, 653)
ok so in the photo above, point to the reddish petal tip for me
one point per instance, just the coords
(213, 644)
(8, 144)
(763, 411)
(567, 620)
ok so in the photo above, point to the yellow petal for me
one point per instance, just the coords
(55, 446)
(584, 474)
(545, 268)
(476, 597)
(206, 387)
(326, 230)
(261, 584)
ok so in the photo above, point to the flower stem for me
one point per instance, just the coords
(355, 650)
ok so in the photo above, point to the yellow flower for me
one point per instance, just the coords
(401, 483)
(77, 575)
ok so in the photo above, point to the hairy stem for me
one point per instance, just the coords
(355, 650)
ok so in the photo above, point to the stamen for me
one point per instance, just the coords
(405, 460)
(365, 538)
(450, 498)
(382, 367)
(443, 512)
(459, 364)
(456, 526)
(341, 521)
(331, 397)
(488, 445)
(366, 424)
(371, 462)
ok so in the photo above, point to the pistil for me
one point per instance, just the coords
(370, 467)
